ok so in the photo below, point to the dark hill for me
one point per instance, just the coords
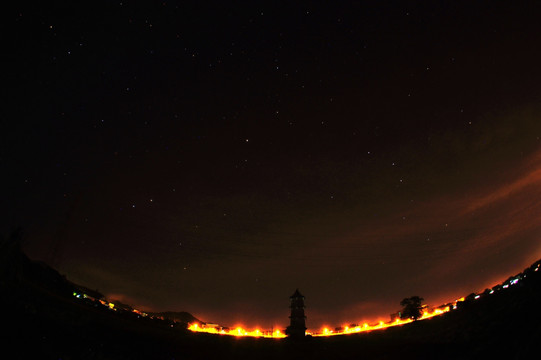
(46, 321)
(181, 316)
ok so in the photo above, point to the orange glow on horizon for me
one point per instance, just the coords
(326, 331)
(238, 331)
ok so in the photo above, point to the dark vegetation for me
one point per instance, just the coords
(413, 307)
(44, 320)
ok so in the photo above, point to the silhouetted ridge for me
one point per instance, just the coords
(182, 316)
(45, 320)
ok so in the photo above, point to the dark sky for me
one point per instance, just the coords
(212, 156)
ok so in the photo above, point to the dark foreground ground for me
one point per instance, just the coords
(44, 321)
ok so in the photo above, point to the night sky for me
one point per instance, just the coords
(213, 156)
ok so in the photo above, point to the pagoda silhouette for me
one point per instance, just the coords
(297, 325)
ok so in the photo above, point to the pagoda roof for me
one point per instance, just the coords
(297, 294)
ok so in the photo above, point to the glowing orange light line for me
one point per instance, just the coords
(239, 331)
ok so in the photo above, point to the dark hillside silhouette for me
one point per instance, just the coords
(180, 316)
(46, 321)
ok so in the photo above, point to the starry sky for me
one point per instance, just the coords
(214, 156)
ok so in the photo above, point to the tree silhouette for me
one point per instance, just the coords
(412, 307)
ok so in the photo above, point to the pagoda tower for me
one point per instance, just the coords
(297, 325)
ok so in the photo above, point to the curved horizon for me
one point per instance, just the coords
(212, 158)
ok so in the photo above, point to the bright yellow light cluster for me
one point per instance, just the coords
(358, 328)
(380, 325)
(239, 331)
